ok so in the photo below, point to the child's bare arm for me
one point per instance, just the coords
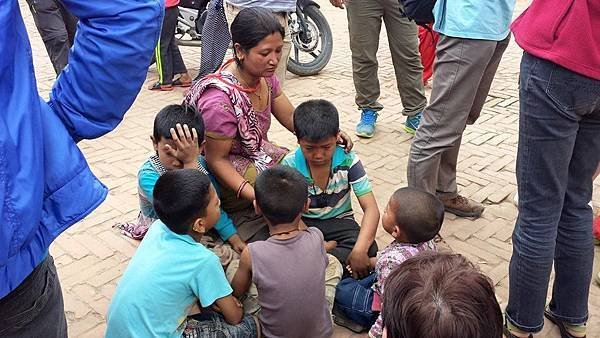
(237, 243)
(243, 276)
(359, 258)
(230, 308)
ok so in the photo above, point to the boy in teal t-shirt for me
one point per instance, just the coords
(171, 272)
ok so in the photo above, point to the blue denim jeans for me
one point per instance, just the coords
(559, 149)
(355, 297)
(213, 325)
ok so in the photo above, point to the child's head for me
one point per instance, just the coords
(186, 202)
(281, 195)
(167, 120)
(434, 295)
(317, 126)
(413, 216)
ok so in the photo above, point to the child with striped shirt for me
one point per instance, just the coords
(332, 174)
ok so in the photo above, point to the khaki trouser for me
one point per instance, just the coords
(464, 70)
(232, 11)
(364, 25)
(333, 274)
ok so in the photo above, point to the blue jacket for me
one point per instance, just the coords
(45, 183)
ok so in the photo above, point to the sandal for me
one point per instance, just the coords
(161, 87)
(509, 334)
(564, 333)
(179, 83)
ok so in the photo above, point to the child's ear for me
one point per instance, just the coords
(198, 226)
(256, 208)
(396, 232)
(154, 143)
(306, 205)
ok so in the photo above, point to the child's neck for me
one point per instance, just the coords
(284, 231)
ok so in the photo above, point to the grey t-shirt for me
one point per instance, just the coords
(290, 278)
(273, 5)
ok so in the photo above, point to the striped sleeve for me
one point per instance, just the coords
(357, 177)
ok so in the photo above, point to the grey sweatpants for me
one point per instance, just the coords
(364, 25)
(464, 70)
(57, 29)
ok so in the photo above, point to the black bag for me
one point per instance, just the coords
(420, 11)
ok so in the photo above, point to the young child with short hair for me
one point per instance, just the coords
(413, 217)
(178, 139)
(289, 267)
(172, 271)
(332, 174)
(440, 295)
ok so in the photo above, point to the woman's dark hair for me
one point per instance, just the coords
(440, 295)
(251, 26)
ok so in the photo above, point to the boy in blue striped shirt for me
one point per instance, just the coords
(332, 173)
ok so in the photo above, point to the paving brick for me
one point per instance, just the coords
(92, 254)
(95, 245)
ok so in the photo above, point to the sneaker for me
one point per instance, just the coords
(366, 126)
(412, 123)
(462, 206)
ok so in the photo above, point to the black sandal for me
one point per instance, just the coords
(161, 87)
(564, 333)
(179, 83)
(508, 334)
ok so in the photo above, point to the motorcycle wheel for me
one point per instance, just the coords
(310, 57)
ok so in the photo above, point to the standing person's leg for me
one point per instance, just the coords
(404, 45)
(447, 189)
(184, 80)
(287, 47)
(70, 22)
(460, 67)
(35, 308)
(164, 57)
(49, 22)
(555, 165)
(364, 25)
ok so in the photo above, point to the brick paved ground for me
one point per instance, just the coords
(91, 256)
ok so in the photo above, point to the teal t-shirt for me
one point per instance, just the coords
(474, 19)
(168, 274)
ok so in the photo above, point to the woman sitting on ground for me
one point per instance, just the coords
(236, 104)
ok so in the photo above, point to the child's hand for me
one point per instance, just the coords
(359, 263)
(237, 243)
(187, 145)
(329, 245)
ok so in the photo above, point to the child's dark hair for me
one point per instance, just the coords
(180, 197)
(418, 214)
(281, 193)
(169, 116)
(251, 26)
(435, 295)
(316, 120)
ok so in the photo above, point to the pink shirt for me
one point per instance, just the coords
(171, 3)
(566, 32)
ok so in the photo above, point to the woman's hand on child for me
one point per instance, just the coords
(186, 141)
(345, 140)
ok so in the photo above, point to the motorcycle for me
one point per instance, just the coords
(312, 41)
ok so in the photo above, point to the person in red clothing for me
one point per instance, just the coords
(168, 58)
(558, 153)
(428, 39)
